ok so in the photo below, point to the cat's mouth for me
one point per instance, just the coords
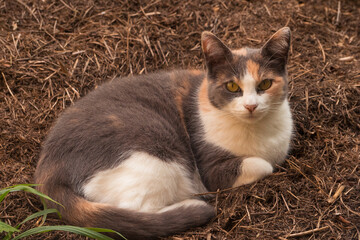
(253, 116)
(249, 117)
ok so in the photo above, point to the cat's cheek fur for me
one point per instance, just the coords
(253, 169)
(143, 183)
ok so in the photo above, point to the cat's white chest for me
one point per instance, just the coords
(269, 138)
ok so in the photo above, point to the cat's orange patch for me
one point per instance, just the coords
(73, 109)
(204, 102)
(74, 112)
(182, 91)
(83, 211)
(253, 69)
(238, 82)
(114, 120)
(74, 121)
(43, 176)
(277, 88)
(196, 72)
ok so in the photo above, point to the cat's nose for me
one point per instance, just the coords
(251, 108)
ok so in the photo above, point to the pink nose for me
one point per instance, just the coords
(251, 108)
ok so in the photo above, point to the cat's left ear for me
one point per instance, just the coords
(215, 51)
(277, 47)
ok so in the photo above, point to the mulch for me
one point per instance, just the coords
(54, 52)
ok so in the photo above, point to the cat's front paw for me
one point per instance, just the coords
(252, 169)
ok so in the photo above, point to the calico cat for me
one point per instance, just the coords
(134, 154)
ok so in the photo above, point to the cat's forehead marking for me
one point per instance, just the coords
(253, 69)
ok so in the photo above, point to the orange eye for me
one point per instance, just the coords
(265, 84)
(232, 87)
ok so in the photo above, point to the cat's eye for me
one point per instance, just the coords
(265, 84)
(232, 87)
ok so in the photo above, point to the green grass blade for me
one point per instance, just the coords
(88, 232)
(4, 227)
(16, 187)
(38, 214)
(27, 188)
(3, 195)
(106, 230)
(78, 230)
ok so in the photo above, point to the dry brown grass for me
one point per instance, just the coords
(53, 52)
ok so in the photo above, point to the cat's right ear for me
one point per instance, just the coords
(215, 51)
(277, 47)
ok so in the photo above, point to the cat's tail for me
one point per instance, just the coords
(133, 225)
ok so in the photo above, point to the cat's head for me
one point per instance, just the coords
(247, 83)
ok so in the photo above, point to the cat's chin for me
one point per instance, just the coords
(249, 118)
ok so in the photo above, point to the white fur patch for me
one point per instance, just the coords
(143, 183)
(253, 169)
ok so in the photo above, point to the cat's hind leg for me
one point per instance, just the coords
(252, 169)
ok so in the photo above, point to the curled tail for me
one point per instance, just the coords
(133, 225)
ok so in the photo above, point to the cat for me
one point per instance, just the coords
(135, 154)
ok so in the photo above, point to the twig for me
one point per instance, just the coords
(338, 13)
(147, 41)
(307, 71)
(349, 58)
(237, 224)
(267, 10)
(67, 5)
(307, 100)
(16, 42)
(322, 50)
(15, 98)
(28, 8)
(216, 203)
(297, 168)
(307, 232)
(252, 228)
(162, 53)
(348, 208)
(336, 194)
(128, 28)
(248, 213)
(108, 49)
(286, 205)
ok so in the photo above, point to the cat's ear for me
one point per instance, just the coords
(277, 47)
(215, 51)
